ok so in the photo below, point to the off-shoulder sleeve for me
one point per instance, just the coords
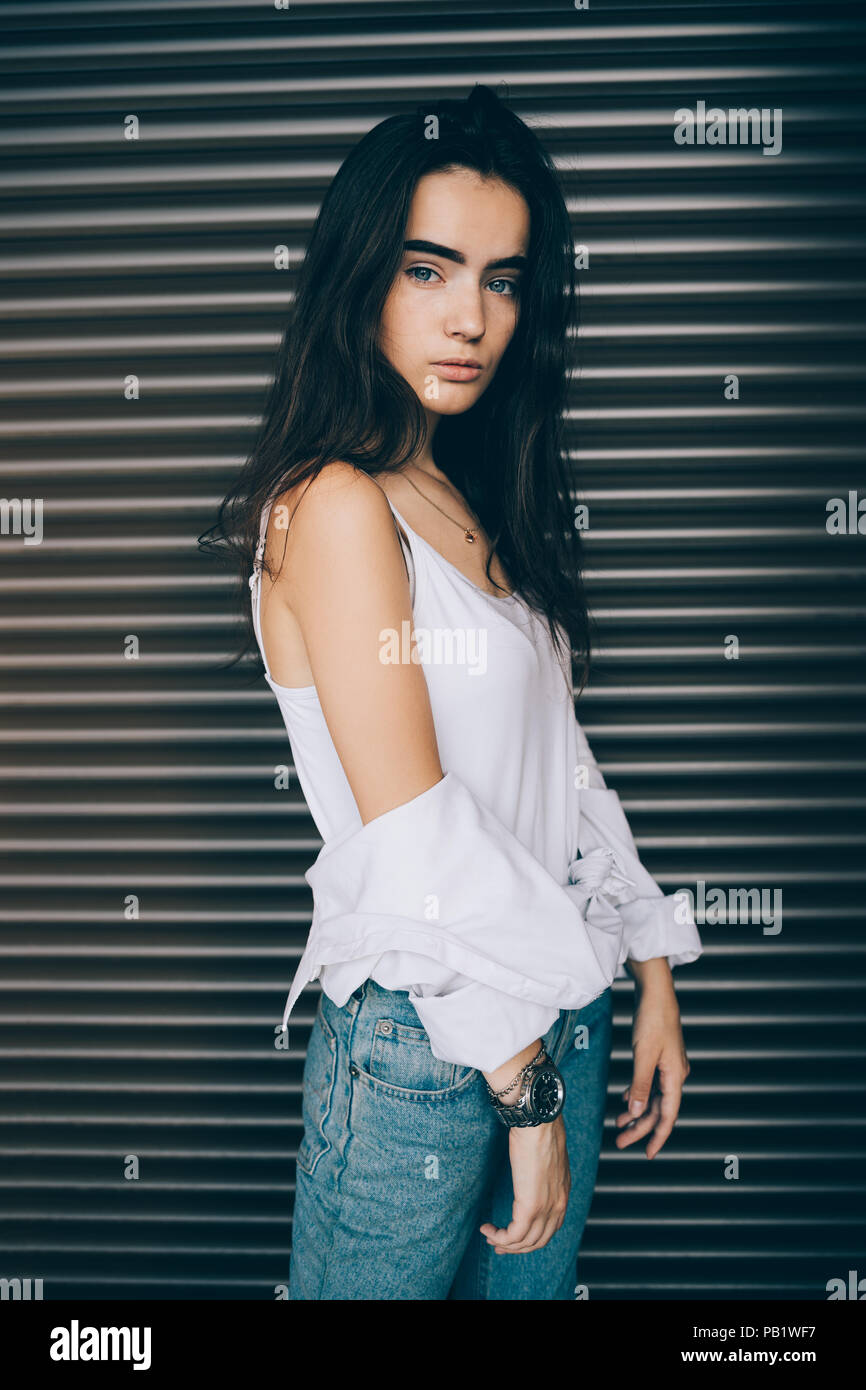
(441, 882)
(654, 923)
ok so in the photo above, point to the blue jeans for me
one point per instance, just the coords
(403, 1158)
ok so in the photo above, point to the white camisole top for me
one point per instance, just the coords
(503, 714)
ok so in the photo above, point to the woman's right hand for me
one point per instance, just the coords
(541, 1179)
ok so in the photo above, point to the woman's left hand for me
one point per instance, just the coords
(657, 1043)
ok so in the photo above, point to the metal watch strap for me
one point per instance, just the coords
(512, 1116)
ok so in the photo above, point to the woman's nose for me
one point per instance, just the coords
(465, 314)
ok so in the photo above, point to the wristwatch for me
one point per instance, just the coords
(541, 1097)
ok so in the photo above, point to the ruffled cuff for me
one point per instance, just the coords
(662, 926)
(440, 877)
(654, 923)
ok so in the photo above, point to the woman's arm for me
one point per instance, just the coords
(343, 579)
(661, 1064)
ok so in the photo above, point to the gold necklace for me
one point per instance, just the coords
(469, 532)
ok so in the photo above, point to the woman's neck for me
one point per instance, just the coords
(423, 464)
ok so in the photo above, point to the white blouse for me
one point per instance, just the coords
(510, 889)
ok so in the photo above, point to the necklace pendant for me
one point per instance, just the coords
(469, 537)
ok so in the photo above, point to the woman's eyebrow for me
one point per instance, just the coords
(434, 249)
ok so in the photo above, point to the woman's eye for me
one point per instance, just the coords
(424, 270)
(512, 284)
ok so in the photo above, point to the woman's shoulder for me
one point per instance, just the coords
(338, 491)
(339, 523)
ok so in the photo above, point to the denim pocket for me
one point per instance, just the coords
(320, 1070)
(402, 1062)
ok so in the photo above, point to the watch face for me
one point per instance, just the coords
(547, 1093)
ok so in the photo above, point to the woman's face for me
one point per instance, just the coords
(456, 293)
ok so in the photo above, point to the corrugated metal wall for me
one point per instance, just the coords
(152, 779)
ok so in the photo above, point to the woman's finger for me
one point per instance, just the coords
(520, 1238)
(631, 1129)
(671, 1098)
(535, 1241)
(642, 1078)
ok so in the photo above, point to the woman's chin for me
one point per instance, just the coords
(451, 402)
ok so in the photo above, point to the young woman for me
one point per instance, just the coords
(417, 600)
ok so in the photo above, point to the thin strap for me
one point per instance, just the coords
(405, 543)
(255, 582)
(408, 557)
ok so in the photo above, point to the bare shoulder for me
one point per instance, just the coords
(336, 526)
(340, 502)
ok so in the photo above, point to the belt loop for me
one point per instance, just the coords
(353, 1003)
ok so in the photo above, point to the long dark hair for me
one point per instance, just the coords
(335, 396)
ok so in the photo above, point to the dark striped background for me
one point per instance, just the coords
(155, 1037)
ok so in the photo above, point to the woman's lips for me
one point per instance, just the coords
(452, 372)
